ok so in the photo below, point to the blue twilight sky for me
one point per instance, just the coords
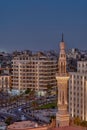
(38, 24)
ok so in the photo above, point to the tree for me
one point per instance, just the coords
(84, 123)
(27, 91)
(11, 88)
(53, 121)
(8, 120)
(34, 104)
(77, 121)
(49, 88)
(56, 89)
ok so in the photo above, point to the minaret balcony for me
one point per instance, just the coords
(62, 74)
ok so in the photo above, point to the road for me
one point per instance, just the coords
(17, 112)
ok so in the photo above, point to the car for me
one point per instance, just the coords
(19, 109)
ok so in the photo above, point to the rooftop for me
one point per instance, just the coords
(70, 128)
(24, 125)
(2, 124)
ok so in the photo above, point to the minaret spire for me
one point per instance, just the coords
(62, 58)
(62, 38)
(62, 77)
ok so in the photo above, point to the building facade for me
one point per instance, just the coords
(26, 125)
(33, 71)
(78, 91)
(62, 116)
(5, 82)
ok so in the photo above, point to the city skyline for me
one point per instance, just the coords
(43, 64)
(38, 25)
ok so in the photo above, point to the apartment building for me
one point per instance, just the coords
(78, 91)
(33, 71)
(5, 82)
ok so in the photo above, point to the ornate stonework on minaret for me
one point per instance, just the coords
(62, 116)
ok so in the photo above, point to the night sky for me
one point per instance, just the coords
(38, 24)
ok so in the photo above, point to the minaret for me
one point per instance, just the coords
(62, 116)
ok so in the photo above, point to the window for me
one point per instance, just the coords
(83, 71)
(77, 77)
(77, 82)
(78, 111)
(85, 77)
(74, 82)
(77, 104)
(82, 65)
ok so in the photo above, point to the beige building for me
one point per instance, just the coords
(78, 91)
(26, 125)
(5, 82)
(34, 71)
(62, 116)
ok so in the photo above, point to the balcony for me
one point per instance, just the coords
(62, 74)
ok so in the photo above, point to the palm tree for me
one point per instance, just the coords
(34, 104)
(49, 88)
(53, 121)
(8, 120)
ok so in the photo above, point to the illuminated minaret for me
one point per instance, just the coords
(62, 116)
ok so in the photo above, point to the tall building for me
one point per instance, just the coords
(5, 82)
(62, 116)
(78, 91)
(35, 71)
